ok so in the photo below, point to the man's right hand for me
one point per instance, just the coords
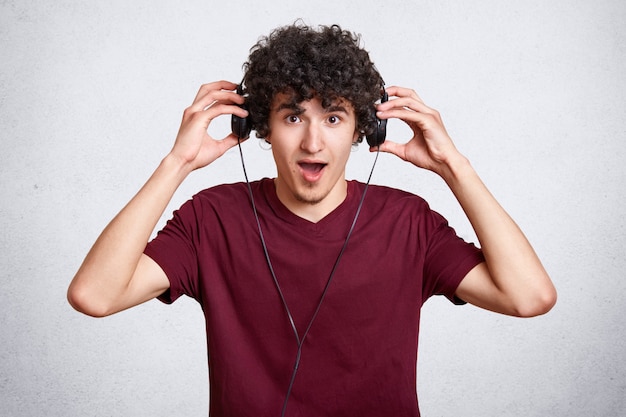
(116, 274)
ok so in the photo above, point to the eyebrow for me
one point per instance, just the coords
(289, 106)
(336, 108)
(295, 107)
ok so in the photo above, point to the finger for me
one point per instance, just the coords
(214, 104)
(390, 147)
(218, 109)
(213, 86)
(405, 114)
(410, 111)
(417, 121)
(229, 141)
(216, 96)
(213, 92)
(406, 103)
(403, 92)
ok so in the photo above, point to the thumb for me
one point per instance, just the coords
(390, 147)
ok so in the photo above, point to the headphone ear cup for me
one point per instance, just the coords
(241, 126)
(377, 138)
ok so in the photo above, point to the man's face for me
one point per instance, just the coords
(311, 146)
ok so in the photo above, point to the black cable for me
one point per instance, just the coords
(300, 342)
(265, 251)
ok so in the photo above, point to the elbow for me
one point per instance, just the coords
(80, 299)
(541, 303)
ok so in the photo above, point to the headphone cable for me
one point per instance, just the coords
(300, 341)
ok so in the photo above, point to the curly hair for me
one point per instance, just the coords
(327, 63)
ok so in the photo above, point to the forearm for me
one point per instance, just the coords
(115, 275)
(513, 266)
(513, 281)
(107, 270)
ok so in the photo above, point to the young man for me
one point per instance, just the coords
(311, 285)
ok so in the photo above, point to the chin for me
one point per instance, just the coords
(310, 199)
(311, 195)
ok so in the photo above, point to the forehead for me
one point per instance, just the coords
(289, 101)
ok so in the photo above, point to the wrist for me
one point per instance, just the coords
(456, 169)
(175, 166)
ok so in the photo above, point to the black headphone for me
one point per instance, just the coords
(241, 126)
(377, 137)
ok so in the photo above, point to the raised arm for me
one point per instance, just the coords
(512, 280)
(115, 274)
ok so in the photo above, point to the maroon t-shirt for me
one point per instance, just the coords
(359, 358)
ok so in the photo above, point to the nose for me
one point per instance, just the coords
(313, 140)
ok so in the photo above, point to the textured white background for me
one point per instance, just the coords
(91, 95)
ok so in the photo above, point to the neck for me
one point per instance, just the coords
(308, 207)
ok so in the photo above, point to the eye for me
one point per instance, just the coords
(292, 118)
(334, 119)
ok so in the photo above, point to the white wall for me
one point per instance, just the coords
(91, 95)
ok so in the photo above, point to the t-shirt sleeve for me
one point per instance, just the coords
(448, 260)
(174, 250)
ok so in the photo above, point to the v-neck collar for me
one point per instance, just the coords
(346, 208)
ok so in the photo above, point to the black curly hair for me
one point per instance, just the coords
(327, 63)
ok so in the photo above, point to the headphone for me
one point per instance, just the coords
(377, 137)
(241, 126)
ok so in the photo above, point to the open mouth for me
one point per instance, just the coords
(311, 171)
